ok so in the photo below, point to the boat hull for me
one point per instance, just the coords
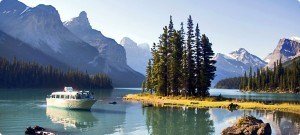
(81, 104)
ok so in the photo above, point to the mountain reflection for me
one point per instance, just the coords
(284, 122)
(71, 118)
(176, 121)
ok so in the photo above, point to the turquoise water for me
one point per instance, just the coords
(20, 108)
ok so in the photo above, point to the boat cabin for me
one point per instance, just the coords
(68, 93)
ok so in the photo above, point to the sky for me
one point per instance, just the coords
(256, 25)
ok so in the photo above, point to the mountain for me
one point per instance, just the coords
(113, 55)
(41, 30)
(287, 49)
(137, 55)
(13, 48)
(235, 64)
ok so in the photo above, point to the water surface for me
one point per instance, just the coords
(20, 108)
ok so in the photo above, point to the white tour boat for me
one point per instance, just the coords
(70, 99)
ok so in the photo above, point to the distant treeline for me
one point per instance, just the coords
(282, 78)
(20, 74)
(229, 83)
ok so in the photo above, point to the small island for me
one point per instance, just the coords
(181, 71)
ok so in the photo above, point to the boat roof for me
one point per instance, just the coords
(65, 93)
(68, 93)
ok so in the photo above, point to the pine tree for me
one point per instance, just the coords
(163, 70)
(148, 84)
(208, 64)
(200, 80)
(175, 63)
(250, 79)
(184, 69)
(190, 60)
(169, 49)
(155, 67)
(143, 86)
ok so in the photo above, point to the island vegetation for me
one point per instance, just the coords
(182, 63)
(22, 74)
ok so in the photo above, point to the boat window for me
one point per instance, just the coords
(62, 96)
(57, 96)
(67, 96)
(72, 97)
(83, 95)
(78, 96)
(52, 96)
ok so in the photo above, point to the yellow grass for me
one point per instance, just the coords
(209, 103)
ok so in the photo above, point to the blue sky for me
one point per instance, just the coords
(256, 25)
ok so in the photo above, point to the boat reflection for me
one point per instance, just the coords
(71, 118)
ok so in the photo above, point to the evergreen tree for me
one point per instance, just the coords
(250, 79)
(175, 66)
(148, 83)
(163, 70)
(143, 86)
(170, 49)
(155, 67)
(184, 70)
(190, 60)
(200, 80)
(208, 64)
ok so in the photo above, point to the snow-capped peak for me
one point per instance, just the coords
(244, 56)
(238, 54)
(240, 51)
(294, 38)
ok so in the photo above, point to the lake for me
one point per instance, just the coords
(20, 108)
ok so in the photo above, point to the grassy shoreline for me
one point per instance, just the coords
(209, 102)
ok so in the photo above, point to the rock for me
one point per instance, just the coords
(114, 102)
(147, 105)
(248, 125)
(232, 106)
(37, 130)
(265, 129)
